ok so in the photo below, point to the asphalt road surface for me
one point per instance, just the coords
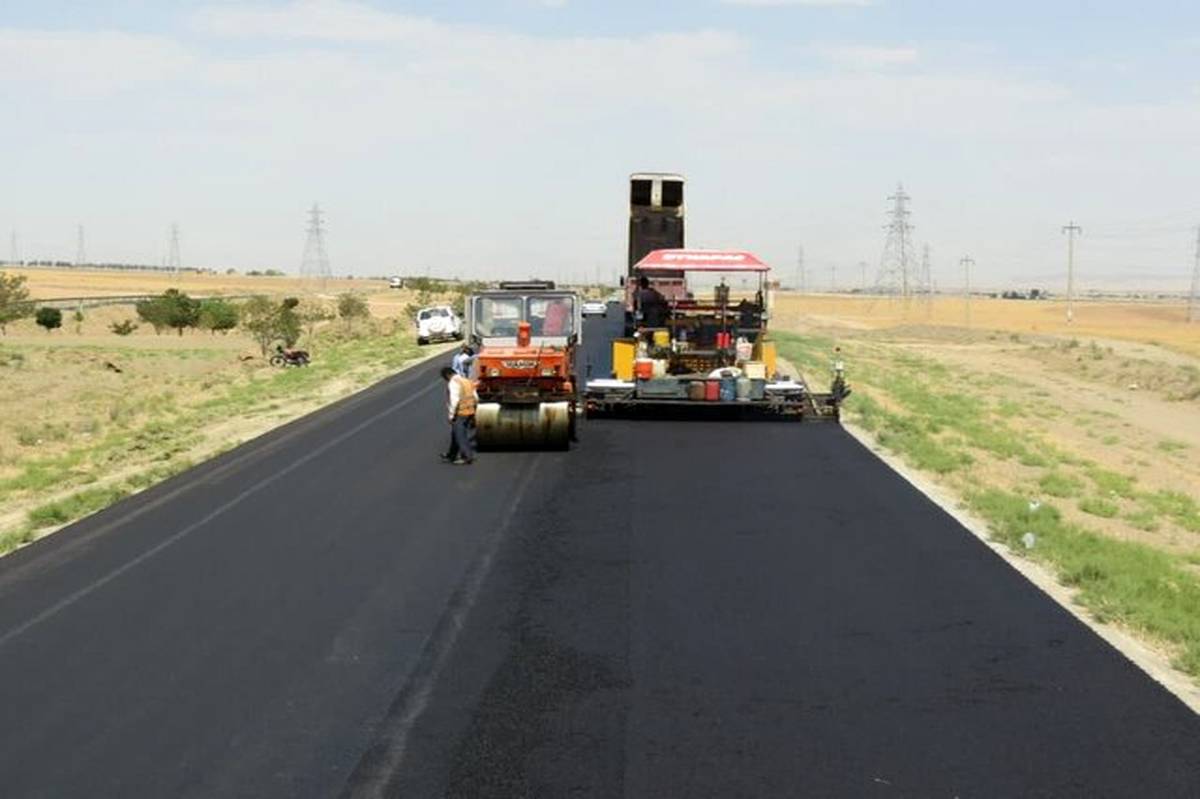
(673, 609)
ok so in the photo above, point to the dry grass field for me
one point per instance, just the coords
(87, 416)
(1086, 437)
(1163, 324)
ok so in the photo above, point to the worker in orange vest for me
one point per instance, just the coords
(460, 408)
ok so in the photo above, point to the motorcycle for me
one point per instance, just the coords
(283, 358)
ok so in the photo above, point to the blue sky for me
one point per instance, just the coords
(494, 138)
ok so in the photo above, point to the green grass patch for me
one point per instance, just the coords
(75, 506)
(1112, 483)
(1099, 506)
(1058, 484)
(1179, 507)
(1171, 445)
(1117, 580)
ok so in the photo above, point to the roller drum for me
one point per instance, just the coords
(543, 426)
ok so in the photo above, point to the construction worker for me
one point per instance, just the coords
(652, 304)
(460, 409)
(463, 360)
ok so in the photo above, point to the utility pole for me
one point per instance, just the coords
(80, 252)
(174, 261)
(832, 278)
(1194, 297)
(1071, 230)
(14, 250)
(862, 265)
(967, 262)
(800, 281)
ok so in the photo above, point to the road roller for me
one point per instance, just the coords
(526, 335)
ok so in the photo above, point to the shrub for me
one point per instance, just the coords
(217, 315)
(123, 328)
(14, 300)
(49, 318)
(351, 307)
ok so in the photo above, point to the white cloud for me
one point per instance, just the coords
(90, 62)
(813, 3)
(866, 57)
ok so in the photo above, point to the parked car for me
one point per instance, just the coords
(595, 308)
(439, 323)
(395, 282)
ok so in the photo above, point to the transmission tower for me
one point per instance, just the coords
(173, 259)
(80, 251)
(862, 267)
(800, 276)
(1071, 230)
(316, 261)
(1194, 297)
(896, 265)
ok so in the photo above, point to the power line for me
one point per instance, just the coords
(1194, 296)
(315, 263)
(1071, 230)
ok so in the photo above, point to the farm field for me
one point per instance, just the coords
(1088, 438)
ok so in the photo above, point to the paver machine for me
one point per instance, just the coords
(526, 334)
(707, 345)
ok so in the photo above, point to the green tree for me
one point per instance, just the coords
(312, 314)
(180, 310)
(77, 318)
(123, 328)
(217, 315)
(49, 318)
(289, 321)
(153, 312)
(260, 318)
(351, 306)
(14, 300)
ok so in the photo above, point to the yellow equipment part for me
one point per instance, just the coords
(542, 426)
(624, 352)
(765, 351)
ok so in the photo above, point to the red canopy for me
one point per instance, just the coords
(701, 261)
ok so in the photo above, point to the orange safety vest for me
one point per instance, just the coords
(467, 399)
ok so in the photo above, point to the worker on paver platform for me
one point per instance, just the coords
(652, 304)
(460, 409)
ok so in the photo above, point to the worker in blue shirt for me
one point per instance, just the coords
(463, 361)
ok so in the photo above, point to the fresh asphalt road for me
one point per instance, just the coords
(672, 609)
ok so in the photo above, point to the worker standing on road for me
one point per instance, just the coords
(463, 360)
(460, 409)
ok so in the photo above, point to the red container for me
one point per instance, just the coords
(712, 390)
(643, 369)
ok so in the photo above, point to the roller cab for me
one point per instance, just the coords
(527, 334)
